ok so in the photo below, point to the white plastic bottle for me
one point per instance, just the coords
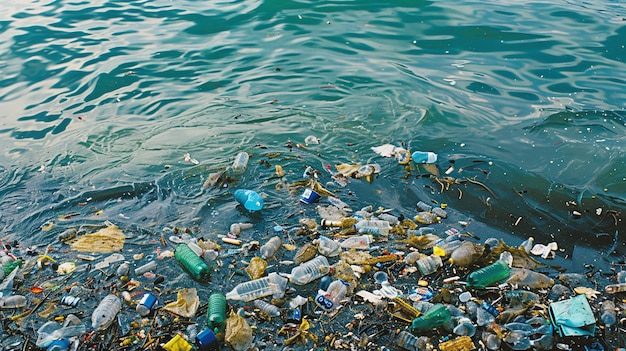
(272, 310)
(361, 242)
(373, 226)
(310, 270)
(273, 285)
(327, 246)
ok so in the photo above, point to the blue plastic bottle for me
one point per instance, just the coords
(250, 199)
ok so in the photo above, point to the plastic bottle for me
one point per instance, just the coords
(273, 284)
(439, 212)
(361, 242)
(373, 226)
(268, 249)
(426, 218)
(526, 277)
(424, 207)
(465, 254)
(429, 264)
(412, 257)
(463, 326)
(445, 248)
(250, 199)
(310, 270)
(330, 299)
(240, 163)
(615, 288)
(148, 267)
(488, 275)
(491, 341)
(328, 247)
(411, 342)
(9, 266)
(435, 317)
(236, 228)
(52, 331)
(393, 220)
(424, 157)
(607, 313)
(216, 312)
(342, 223)
(145, 305)
(13, 301)
(272, 310)
(105, 313)
(523, 297)
(192, 263)
(123, 269)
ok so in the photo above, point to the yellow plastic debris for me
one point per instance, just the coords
(177, 344)
(109, 239)
(238, 332)
(186, 305)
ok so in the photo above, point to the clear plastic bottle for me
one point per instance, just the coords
(342, 223)
(426, 218)
(236, 228)
(272, 310)
(270, 248)
(411, 342)
(148, 267)
(310, 270)
(250, 199)
(52, 330)
(526, 277)
(429, 264)
(13, 301)
(273, 284)
(373, 226)
(145, 305)
(439, 212)
(393, 220)
(240, 163)
(330, 299)
(465, 254)
(607, 313)
(423, 207)
(361, 242)
(105, 313)
(488, 275)
(216, 312)
(327, 246)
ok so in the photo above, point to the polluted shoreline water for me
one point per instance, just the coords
(330, 274)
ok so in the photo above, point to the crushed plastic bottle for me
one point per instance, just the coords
(310, 270)
(466, 254)
(273, 285)
(327, 247)
(426, 218)
(607, 313)
(361, 242)
(429, 264)
(236, 228)
(105, 313)
(330, 299)
(52, 331)
(270, 248)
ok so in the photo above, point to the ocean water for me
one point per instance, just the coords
(523, 101)
(101, 100)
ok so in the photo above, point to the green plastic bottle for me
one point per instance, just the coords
(10, 266)
(488, 275)
(216, 313)
(435, 317)
(192, 263)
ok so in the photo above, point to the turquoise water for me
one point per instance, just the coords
(101, 100)
(98, 96)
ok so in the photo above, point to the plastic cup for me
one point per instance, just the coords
(309, 196)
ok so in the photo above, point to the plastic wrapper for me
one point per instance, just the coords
(238, 333)
(186, 304)
(109, 239)
(256, 268)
